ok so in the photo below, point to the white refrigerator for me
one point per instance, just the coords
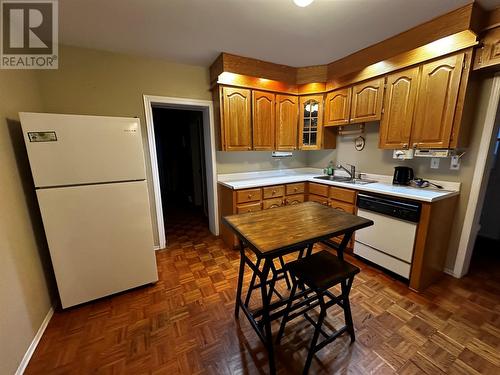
(90, 182)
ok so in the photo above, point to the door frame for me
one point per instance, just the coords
(477, 194)
(206, 107)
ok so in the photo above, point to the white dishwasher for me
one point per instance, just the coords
(390, 240)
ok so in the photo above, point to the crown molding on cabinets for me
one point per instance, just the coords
(438, 48)
(456, 21)
(248, 66)
(442, 35)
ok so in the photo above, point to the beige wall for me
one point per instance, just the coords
(104, 83)
(24, 296)
(246, 161)
(374, 160)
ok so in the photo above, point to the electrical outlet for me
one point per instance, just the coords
(455, 163)
(434, 163)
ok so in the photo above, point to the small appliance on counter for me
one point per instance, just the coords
(402, 176)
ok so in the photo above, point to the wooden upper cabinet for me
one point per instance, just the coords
(367, 101)
(236, 119)
(489, 54)
(436, 102)
(338, 107)
(263, 120)
(399, 104)
(287, 112)
(311, 122)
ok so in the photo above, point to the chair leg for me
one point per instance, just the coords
(287, 311)
(346, 287)
(317, 330)
(252, 284)
(283, 267)
(240, 279)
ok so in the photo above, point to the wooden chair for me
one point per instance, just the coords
(320, 272)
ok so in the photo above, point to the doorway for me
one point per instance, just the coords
(489, 120)
(181, 139)
(485, 254)
(181, 165)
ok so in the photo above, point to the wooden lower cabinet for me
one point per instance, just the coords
(319, 199)
(342, 206)
(339, 198)
(272, 203)
(433, 230)
(294, 199)
(298, 188)
(256, 199)
(273, 191)
(318, 189)
(248, 207)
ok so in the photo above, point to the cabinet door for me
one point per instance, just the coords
(272, 203)
(367, 101)
(436, 103)
(338, 107)
(263, 120)
(294, 199)
(319, 199)
(236, 124)
(489, 53)
(399, 106)
(311, 124)
(286, 122)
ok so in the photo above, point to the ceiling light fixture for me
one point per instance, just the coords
(303, 3)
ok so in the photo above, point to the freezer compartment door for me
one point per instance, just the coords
(72, 149)
(100, 239)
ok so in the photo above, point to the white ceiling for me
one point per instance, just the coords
(196, 31)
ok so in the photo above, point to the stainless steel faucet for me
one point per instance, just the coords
(352, 172)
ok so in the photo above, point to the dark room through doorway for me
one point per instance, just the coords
(181, 166)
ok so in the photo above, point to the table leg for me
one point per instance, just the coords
(240, 279)
(265, 315)
(343, 245)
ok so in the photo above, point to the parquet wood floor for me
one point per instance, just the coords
(184, 324)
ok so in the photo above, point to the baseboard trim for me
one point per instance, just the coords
(451, 272)
(156, 248)
(34, 343)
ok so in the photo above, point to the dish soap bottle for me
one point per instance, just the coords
(329, 170)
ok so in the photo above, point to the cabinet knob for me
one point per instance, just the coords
(295, 189)
(405, 145)
(274, 192)
(415, 145)
(249, 196)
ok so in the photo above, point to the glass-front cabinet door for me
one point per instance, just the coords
(311, 122)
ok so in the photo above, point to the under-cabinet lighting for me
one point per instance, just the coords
(302, 3)
(281, 154)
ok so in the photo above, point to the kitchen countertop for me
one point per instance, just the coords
(383, 185)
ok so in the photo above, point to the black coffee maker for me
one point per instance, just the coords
(402, 176)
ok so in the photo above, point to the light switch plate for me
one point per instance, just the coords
(434, 163)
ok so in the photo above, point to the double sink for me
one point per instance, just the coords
(348, 180)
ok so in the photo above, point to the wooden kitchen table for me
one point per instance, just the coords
(271, 234)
